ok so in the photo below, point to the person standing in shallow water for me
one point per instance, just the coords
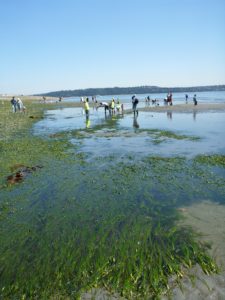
(134, 104)
(195, 100)
(112, 106)
(86, 108)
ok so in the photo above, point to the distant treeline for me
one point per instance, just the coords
(131, 90)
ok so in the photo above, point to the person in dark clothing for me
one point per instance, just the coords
(195, 100)
(14, 104)
(134, 104)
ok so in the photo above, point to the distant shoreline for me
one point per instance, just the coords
(131, 90)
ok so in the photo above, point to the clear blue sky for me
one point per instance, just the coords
(49, 45)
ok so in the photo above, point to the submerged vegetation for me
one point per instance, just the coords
(155, 133)
(73, 225)
(213, 160)
(172, 135)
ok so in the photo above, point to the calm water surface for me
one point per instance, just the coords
(126, 134)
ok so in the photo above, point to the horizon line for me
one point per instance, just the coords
(136, 86)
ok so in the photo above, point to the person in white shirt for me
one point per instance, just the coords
(105, 105)
(20, 105)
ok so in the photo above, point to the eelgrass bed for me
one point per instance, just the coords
(73, 225)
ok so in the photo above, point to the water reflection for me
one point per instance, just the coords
(121, 131)
(135, 122)
(169, 115)
(194, 115)
(88, 122)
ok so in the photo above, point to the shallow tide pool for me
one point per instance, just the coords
(203, 133)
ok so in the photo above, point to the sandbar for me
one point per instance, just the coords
(186, 108)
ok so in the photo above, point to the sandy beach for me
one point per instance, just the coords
(186, 108)
(208, 219)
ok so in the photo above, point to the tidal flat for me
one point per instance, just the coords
(104, 211)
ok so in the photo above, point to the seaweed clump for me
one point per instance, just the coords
(212, 160)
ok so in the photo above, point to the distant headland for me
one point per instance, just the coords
(131, 90)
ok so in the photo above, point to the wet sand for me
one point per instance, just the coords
(208, 219)
(186, 108)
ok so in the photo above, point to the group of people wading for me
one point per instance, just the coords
(113, 107)
(169, 99)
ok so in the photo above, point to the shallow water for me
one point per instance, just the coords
(124, 134)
